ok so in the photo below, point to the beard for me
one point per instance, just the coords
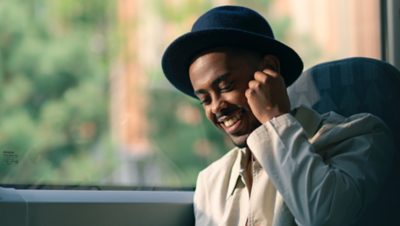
(240, 139)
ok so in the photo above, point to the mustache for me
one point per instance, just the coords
(229, 110)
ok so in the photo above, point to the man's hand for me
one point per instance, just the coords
(267, 95)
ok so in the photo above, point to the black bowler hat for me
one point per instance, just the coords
(226, 26)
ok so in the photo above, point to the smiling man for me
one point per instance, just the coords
(290, 166)
(220, 79)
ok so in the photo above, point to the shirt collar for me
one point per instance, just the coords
(238, 167)
(309, 119)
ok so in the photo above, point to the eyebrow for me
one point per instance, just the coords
(221, 78)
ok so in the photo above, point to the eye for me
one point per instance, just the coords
(204, 100)
(226, 86)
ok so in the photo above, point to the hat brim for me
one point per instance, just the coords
(179, 55)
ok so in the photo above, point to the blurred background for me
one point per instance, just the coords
(83, 100)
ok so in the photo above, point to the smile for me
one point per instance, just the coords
(230, 122)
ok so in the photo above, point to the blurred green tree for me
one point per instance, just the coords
(53, 91)
(55, 59)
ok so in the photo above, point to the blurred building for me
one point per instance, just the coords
(129, 94)
(339, 28)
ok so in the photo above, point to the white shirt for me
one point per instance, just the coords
(310, 169)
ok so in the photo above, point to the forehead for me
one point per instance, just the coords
(214, 64)
(210, 66)
(210, 60)
(224, 53)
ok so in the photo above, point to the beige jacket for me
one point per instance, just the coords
(310, 169)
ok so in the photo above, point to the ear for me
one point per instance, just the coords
(271, 62)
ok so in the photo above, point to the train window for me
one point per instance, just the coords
(84, 101)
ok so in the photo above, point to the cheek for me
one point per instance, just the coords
(238, 97)
(209, 114)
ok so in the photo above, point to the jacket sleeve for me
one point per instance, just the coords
(329, 188)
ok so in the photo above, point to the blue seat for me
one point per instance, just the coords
(351, 86)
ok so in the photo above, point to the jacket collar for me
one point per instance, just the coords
(309, 119)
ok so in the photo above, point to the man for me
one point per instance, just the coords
(289, 167)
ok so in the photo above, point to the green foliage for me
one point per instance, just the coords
(53, 91)
(178, 13)
(55, 57)
(183, 134)
(260, 6)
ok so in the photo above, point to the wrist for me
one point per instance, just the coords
(270, 114)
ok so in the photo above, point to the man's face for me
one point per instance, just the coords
(220, 79)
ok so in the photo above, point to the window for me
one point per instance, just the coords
(83, 98)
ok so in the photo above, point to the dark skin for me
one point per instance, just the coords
(239, 90)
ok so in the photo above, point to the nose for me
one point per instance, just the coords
(217, 105)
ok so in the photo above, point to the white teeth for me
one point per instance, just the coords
(231, 120)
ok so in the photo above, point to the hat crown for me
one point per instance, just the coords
(233, 18)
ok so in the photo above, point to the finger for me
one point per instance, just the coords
(249, 93)
(261, 77)
(255, 85)
(271, 72)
